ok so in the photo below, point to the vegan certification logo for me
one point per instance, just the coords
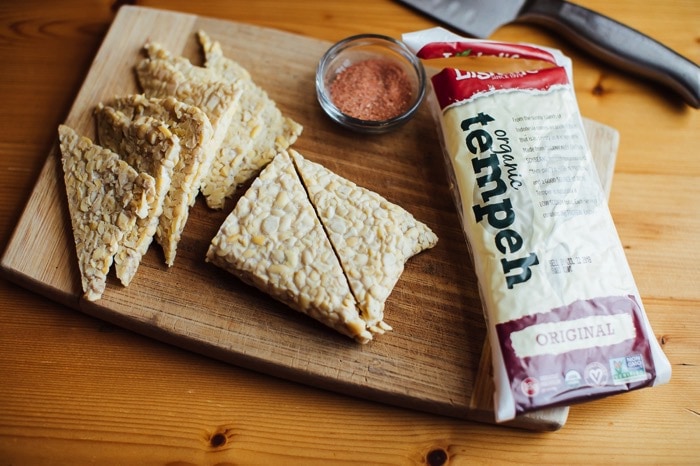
(596, 374)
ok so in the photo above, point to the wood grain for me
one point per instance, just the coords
(76, 390)
(431, 362)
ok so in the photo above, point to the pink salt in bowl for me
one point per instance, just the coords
(370, 83)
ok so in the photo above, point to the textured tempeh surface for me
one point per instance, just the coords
(106, 198)
(149, 146)
(193, 129)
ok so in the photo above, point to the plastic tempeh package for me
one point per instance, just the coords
(565, 318)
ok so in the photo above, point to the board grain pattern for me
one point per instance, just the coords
(435, 360)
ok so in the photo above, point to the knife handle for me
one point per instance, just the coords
(618, 44)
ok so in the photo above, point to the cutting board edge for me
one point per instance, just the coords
(32, 284)
(547, 420)
(279, 371)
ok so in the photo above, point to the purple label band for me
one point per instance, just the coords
(583, 351)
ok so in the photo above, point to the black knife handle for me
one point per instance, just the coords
(618, 44)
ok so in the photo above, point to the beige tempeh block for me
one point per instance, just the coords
(148, 145)
(372, 237)
(105, 198)
(257, 132)
(274, 241)
(193, 129)
(164, 75)
(320, 244)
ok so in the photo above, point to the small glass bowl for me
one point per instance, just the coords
(359, 48)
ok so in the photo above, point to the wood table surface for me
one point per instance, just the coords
(76, 390)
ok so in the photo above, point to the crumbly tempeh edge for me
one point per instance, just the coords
(257, 133)
(194, 130)
(372, 237)
(274, 241)
(105, 198)
(149, 146)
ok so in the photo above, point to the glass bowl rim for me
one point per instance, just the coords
(369, 39)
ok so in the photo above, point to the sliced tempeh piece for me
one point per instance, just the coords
(194, 131)
(372, 236)
(274, 241)
(164, 75)
(149, 146)
(258, 130)
(105, 197)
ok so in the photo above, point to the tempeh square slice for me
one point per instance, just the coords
(372, 237)
(105, 197)
(163, 75)
(258, 130)
(194, 131)
(274, 241)
(149, 146)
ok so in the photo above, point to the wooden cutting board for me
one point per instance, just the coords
(434, 360)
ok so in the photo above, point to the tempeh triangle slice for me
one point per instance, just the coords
(105, 197)
(194, 131)
(257, 132)
(164, 75)
(372, 237)
(149, 146)
(274, 241)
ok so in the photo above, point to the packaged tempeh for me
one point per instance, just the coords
(565, 318)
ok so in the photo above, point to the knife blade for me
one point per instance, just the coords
(603, 37)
